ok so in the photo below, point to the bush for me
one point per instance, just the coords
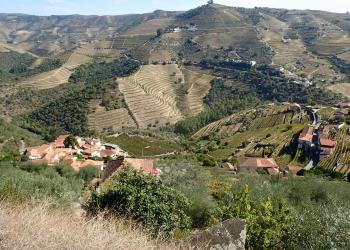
(89, 173)
(192, 180)
(143, 198)
(27, 182)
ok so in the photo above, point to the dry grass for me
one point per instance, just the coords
(341, 88)
(29, 227)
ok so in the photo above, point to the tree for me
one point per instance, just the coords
(145, 199)
(71, 142)
(160, 32)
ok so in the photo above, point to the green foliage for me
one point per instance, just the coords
(11, 138)
(15, 63)
(46, 65)
(89, 173)
(71, 142)
(69, 113)
(191, 180)
(341, 65)
(223, 99)
(267, 222)
(143, 198)
(26, 182)
(270, 84)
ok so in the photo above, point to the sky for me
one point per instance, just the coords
(117, 7)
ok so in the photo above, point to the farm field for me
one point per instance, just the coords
(114, 119)
(48, 79)
(340, 88)
(292, 54)
(253, 119)
(149, 27)
(150, 95)
(138, 146)
(255, 142)
(326, 113)
(345, 56)
(197, 86)
(339, 161)
(129, 42)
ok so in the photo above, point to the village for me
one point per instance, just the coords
(77, 153)
(315, 141)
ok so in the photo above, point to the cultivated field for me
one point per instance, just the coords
(48, 79)
(197, 86)
(129, 42)
(341, 88)
(339, 161)
(345, 56)
(150, 95)
(149, 27)
(114, 119)
(292, 54)
(143, 146)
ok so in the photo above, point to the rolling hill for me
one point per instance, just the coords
(302, 53)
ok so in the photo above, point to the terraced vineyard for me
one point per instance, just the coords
(339, 161)
(114, 119)
(279, 119)
(197, 86)
(292, 54)
(48, 79)
(129, 42)
(150, 95)
(149, 28)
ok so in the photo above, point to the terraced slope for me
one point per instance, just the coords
(341, 88)
(150, 95)
(197, 86)
(114, 119)
(48, 79)
(129, 42)
(149, 27)
(292, 53)
(339, 161)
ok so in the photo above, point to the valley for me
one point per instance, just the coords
(177, 122)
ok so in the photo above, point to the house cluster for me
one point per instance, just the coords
(305, 139)
(327, 146)
(308, 138)
(88, 152)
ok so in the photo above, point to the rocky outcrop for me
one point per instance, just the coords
(229, 235)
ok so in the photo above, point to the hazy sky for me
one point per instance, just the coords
(114, 7)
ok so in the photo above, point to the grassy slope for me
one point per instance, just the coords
(10, 139)
(149, 145)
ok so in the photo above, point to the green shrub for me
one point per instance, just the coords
(191, 180)
(27, 182)
(89, 173)
(143, 198)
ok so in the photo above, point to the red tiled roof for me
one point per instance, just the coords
(39, 151)
(307, 134)
(327, 143)
(59, 142)
(143, 165)
(254, 163)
